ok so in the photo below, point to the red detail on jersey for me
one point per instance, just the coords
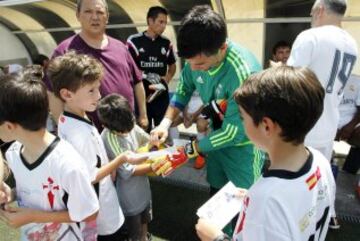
(51, 188)
(313, 179)
(46, 232)
(240, 224)
(62, 119)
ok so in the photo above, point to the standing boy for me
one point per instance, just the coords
(292, 199)
(52, 189)
(132, 185)
(76, 81)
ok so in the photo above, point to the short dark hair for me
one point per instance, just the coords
(336, 6)
(79, 4)
(202, 31)
(280, 44)
(39, 60)
(71, 71)
(115, 113)
(154, 11)
(24, 100)
(291, 97)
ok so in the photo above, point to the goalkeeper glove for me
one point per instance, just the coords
(215, 111)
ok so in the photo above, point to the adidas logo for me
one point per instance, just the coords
(141, 50)
(200, 80)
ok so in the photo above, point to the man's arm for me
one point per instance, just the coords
(302, 50)
(141, 102)
(183, 93)
(346, 131)
(170, 73)
(160, 133)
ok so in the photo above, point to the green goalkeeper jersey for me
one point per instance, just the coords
(229, 144)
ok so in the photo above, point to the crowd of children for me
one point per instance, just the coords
(84, 185)
(64, 187)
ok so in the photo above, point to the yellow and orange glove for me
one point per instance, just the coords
(168, 164)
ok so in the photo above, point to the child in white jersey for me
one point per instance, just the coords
(52, 189)
(292, 199)
(76, 81)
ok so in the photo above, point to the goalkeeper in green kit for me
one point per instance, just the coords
(215, 67)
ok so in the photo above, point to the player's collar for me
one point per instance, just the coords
(149, 37)
(284, 174)
(71, 115)
(42, 157)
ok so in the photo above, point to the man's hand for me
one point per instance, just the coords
(17, 217)
(143, 121)
(207, 231)
(345, 132)
(158, 135)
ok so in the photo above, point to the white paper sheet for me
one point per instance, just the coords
(162, 152)
(223, 206)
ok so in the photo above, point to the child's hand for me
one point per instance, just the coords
(5, 193)
(133, 158)
(241, 192)
(16, 217)
(207, 231)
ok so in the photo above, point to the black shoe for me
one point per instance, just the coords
(334, 223)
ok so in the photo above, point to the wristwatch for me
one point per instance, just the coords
(222, 237)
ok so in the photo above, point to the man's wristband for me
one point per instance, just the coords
(165, 123)
(222, 237)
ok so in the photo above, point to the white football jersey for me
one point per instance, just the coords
(84, 136)
(331, 53)
(56, 181)
(350, 101)
(289, 206)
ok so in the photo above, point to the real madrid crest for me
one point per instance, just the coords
(163, 50)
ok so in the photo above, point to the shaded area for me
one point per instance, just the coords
(47, 19)
(174, 210)
(28, 44)
(119, 16)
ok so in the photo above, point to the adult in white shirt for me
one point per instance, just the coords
(330, 52)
